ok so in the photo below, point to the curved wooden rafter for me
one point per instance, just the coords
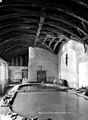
(30, 22)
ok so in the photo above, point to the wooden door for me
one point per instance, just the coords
(41, 76)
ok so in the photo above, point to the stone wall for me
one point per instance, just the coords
(15, 72)
(70, 72)
(3, 75)
(83, 69)
(46, 59)
(75, 72)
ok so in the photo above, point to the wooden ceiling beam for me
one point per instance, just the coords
(80, 3)
(61, 37)
(12, 48)
(68, 12)
(55, 45)
(55, 31)
(84, 38)
(47, 46)
(42, 18)
(64, 29)
(15, 52)
(68, 23)
(51, 42)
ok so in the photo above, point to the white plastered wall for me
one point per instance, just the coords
(71, 72)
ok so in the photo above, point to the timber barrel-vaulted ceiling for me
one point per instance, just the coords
(46, 24)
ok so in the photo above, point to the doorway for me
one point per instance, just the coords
(41, 76)
(25, 73)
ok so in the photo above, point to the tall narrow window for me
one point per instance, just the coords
(66, 59)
